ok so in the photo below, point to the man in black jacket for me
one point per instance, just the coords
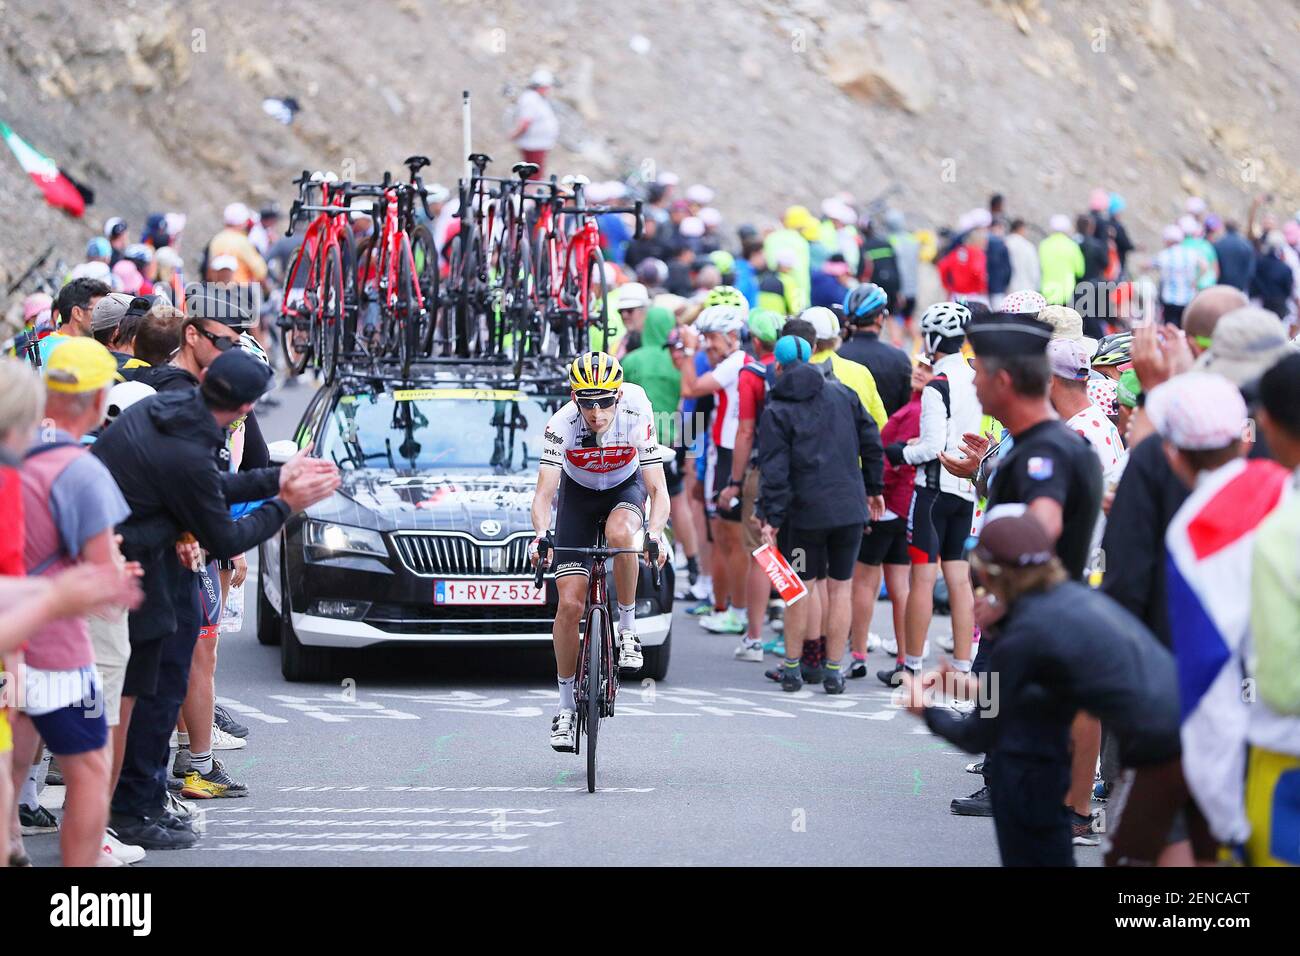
(166, 454)
(1040, 676)
(821, 469)
(889, 366)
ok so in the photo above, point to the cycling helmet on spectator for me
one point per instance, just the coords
(253, 347)
(943, 320)
(722, 318)
(594, 373)
(726, 295)
(864, 302)
(1114, 349)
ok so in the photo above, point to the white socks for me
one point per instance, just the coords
(627, 617)
(566, 692)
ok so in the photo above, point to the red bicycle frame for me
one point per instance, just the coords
(324, 232)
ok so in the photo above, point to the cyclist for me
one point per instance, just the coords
(600, 460)
(1114, 352)
(866, 308)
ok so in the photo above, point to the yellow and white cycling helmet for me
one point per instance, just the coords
(595, 373)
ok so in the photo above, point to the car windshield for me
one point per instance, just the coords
(438, 429)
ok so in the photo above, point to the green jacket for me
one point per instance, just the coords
(1062, 265)
(651, 367)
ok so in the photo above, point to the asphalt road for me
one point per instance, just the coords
(442, 756)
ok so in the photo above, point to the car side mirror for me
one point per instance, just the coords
(282, 450)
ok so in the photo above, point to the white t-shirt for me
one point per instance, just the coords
(1103, 436)
(601, 462)
(726, 419)
(543, 128)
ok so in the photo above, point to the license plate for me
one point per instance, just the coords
(487, 592)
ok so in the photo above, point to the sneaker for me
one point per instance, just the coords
(178, 808)
(857, 669)
(726, 622)
(890, 645)
(945, 641)
(1101, 790)
(227, 723)
(181, 765)
(53, 774)
(123, 854)
(833, 682)
(874, 642)
(775, 646)
(790, 679)
(224, 741)
(174, 784)
(750, 652)
(978, 804)
(149, 833)
(702, 589)
(810, 663)
(215, 783)
(629, 651)
(32, 822)
(107, 859)
(564, 731)
(1081, 830)
(891, 676)
(700, 610)
(170, 821)
(976, 767)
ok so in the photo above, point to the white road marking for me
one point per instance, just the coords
(335, 709)
(249, 711)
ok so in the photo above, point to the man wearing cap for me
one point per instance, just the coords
(115, 231)
(1060, 261)
(71, 507)
(1050, 469)
(181, 433)
(631, 300)
(109, 315)
(1104, 662)
(233, 241)
(821, 465)
(1182, 270)
(536, 128)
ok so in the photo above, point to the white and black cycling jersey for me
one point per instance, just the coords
(600, 462)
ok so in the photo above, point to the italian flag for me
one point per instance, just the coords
(57, 188)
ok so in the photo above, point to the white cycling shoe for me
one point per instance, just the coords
(629, 652)
(564, 731)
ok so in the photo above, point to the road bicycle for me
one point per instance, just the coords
(572, 286)
(468, 296)
(596, 685)
(320, 288)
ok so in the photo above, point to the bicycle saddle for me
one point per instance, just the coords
(416, 162)
(525, 170)
(480, 159)
(578, 180)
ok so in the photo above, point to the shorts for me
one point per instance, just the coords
(938, 525)
(141, 678)
(76, 729)
(721, 464)
(748, 498)
(579, 513)
(824, 552)
(112, 644)
(885, 542)
(1149, 809)
(1273, 808)
(908, 309)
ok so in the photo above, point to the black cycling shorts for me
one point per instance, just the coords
(885, 542)
(675, 471)
(825, 552)
(938, 526)
(579, 511)
(722, 478)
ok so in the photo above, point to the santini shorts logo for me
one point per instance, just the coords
(77, 909)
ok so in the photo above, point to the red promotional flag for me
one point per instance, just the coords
(779, 572)
(57, 189)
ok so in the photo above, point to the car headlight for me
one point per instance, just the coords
(326, 539)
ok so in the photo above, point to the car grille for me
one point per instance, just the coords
(441, 554)
(469, 621)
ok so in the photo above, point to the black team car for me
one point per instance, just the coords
(426, 542)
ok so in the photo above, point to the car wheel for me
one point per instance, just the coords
(298, 662)
(268, 622)
(656, 659)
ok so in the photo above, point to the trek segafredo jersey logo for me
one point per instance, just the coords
(75, 909)
(601, 460)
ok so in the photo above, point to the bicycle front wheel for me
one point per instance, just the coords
(597, 625)
(331, 314)
(296, 331)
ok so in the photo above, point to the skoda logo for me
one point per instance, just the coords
(490, 528)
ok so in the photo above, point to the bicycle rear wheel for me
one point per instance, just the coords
(595, 305)
(406, 310)
(331, 314)
(597, 625)
(426, 268)
(295, 338)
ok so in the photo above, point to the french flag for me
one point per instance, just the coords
(1208, 554)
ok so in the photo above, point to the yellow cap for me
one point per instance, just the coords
(798, 217)
(80, 365)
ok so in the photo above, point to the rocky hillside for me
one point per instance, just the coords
(936, 103)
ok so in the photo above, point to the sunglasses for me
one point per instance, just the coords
(590, 403)
(221, 343)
